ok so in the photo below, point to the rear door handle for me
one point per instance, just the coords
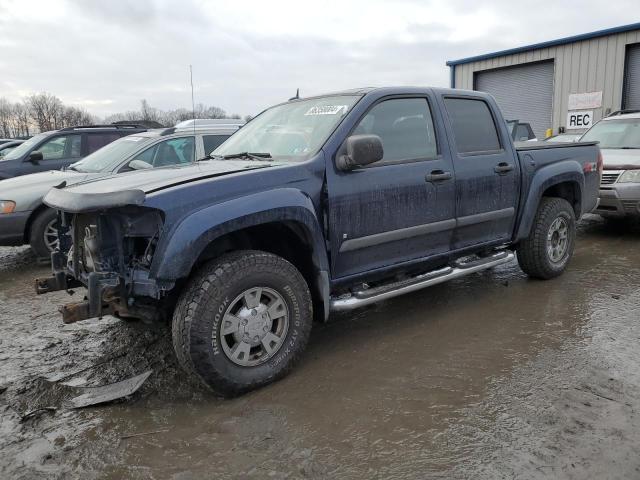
(503, 167)
(437, 176)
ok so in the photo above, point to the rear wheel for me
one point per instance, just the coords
(242, 321)
(43, 235)
(547, 251)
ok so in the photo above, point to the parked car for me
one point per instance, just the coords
(6, 147)
(520, 131)
(5, 140)
(211, 122)
(619, 138)
(564, 137)
(322, 204)
(30, 221)
(59, 148)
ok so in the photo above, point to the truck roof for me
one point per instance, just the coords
(395, 91)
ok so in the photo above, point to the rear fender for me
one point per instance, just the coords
(543, 179)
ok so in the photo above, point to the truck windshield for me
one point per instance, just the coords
(623, 133)
(110, 156)
(23, 148)
(292, 131)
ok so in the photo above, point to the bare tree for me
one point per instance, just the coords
(6, 111)
(43, 112)
(21, 120)
(72, 116)
(46, 111)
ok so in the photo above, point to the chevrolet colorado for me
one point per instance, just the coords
(316, 205)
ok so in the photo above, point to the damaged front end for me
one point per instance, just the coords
(106, 245)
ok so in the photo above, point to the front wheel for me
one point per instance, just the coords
(547, 251)
(242, 321)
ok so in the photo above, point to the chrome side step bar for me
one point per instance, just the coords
(361, 298)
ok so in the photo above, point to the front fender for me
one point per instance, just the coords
(543, 179)
(181, 246)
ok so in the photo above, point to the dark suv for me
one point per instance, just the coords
(59, 148)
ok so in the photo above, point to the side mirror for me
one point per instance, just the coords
(361, 150)
(35, 157)
(139, 165)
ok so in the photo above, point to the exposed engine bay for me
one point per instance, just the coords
(110, 253)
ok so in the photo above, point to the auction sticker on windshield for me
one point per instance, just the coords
(327, 110)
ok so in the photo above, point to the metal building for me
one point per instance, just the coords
(565, 84)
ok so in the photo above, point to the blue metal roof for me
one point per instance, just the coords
(550, 43)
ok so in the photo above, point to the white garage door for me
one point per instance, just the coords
(632, 78)
(523, 92)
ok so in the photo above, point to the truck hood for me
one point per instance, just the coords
(131, 188)
(158, 178)
(616, 159)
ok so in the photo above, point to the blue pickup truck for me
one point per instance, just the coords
(317, 205)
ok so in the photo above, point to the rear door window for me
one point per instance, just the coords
(211, 142)
(473, 126)
(170, 152)
(96, 141)
(64, 146)
(523, 132)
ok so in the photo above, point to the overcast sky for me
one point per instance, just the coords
(106, 55)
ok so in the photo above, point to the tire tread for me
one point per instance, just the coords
(207, 285)
(532, 256)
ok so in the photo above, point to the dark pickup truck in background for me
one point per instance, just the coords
(317, 204)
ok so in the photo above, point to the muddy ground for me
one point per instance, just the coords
(491, 376)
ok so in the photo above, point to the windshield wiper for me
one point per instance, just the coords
(253, 155)
(629, 148)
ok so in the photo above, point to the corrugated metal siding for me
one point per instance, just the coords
(586, 66)
(523, 92)
(632, 78)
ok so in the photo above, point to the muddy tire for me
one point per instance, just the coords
(547, 251)
(242, 321)
(41, 239)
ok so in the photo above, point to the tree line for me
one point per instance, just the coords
(39, 113)
(168, 118)
(42, 112)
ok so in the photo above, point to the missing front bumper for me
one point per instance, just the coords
(102, 295)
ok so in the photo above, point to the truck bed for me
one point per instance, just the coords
(523, 146)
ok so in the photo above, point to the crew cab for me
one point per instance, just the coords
(317, 205)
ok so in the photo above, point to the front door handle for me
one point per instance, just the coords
(437, 176)
(503, 167)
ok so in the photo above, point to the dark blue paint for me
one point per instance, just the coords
(329, 206)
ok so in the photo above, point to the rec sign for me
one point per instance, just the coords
(581, 119)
